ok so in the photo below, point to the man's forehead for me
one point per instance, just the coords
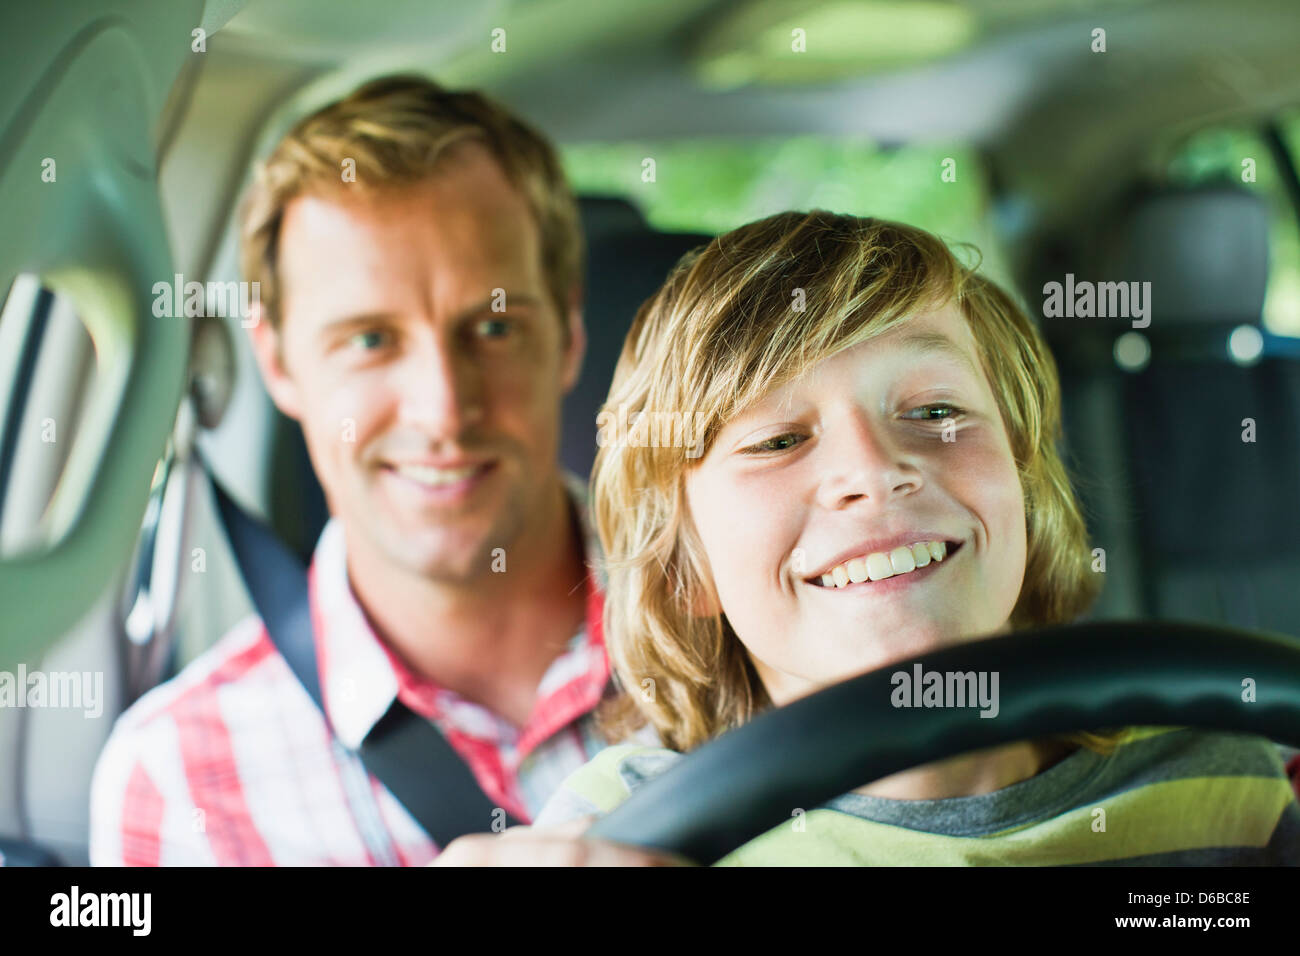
(479, 195)
(433, 224)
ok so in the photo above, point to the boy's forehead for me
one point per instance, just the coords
(938, 331)
(941, 330)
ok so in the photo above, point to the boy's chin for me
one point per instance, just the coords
(881, 648)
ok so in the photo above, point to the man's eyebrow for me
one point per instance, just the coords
(937, 342)
(511, 299)
(345, 322)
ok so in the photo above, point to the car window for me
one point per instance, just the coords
(49, 429)
(715, 185)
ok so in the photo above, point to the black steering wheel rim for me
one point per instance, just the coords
(1059, 680)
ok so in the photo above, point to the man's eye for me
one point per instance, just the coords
(492, 328)
(777, 443)
(369, 340)
(937, 412)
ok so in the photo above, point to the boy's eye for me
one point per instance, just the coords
(776, 443)
(940, 411)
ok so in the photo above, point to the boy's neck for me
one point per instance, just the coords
(968, 775)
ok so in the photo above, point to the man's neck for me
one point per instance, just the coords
(490, 639)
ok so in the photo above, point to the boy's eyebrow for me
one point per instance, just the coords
(924, 342)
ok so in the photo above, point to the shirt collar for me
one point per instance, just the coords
(360, 677)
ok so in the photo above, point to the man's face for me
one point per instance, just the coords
(431, 417)
(850, 461)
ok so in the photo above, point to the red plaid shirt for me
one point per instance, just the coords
(231, 763)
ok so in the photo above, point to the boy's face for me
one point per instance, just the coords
(849, 461)
(431, 417)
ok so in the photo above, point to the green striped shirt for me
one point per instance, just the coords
(1163, 797)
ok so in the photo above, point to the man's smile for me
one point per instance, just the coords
(435, 485)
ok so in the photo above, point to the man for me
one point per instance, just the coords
(419, 259)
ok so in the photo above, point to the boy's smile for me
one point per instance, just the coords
(867, 512)
(887, 560)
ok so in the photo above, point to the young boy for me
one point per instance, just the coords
(874, 476)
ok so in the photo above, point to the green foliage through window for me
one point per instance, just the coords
(716, 185)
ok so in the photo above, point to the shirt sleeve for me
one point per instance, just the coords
(141, 813)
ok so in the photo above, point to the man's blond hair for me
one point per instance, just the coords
(755, 308)
(393, 132)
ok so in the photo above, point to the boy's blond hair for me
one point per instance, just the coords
(395, 131)
(755, 308)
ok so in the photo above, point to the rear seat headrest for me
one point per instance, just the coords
(212, 370)
(1203, 249)
(626, 264)
(607, 215)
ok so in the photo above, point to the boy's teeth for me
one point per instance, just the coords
(902, 560)
(880, 565)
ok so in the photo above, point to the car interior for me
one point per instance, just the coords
(1171, 155)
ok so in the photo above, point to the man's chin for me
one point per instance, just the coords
(440, 560)
(453, 545)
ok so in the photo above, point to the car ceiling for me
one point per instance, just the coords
(1061, 125)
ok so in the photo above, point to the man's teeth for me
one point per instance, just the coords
(434, 477)
(880, 565)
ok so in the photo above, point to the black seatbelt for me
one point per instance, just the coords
(404, 750)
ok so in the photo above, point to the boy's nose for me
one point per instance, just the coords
(862, 462)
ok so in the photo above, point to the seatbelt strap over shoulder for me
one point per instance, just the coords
(406, 752)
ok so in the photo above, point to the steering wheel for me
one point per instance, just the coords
(1057, 680)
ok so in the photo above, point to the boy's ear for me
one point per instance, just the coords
(576, 346)
(268, 350)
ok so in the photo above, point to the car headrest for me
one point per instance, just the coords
(1203, 249)
(624, 268)
(212, 370)
(606, 215)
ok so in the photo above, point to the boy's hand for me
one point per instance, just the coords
(561, 845)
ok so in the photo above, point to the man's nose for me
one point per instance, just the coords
(440, 391)
(863, 462)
